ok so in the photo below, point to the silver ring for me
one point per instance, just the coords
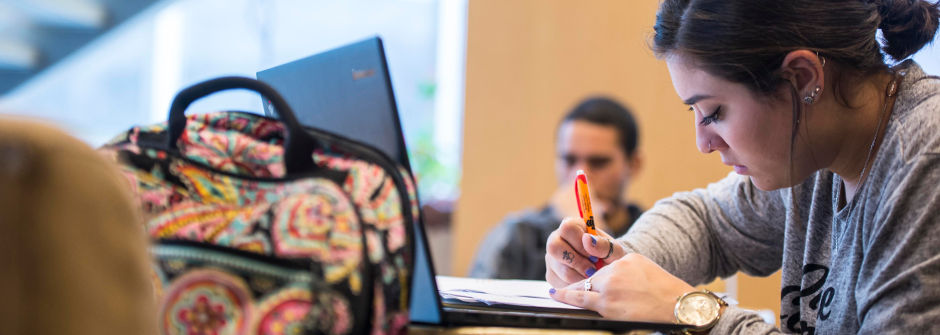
(611, 250)
(587, 284)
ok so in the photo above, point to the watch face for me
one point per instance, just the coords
(698, 309)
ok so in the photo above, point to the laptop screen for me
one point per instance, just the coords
(348, 91)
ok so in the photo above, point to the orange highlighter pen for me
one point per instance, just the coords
(584, 208)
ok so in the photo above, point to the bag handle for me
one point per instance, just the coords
(297, 147)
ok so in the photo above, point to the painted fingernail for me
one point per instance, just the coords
(551, 290)
(590, 272)
(593, 241)
(592, 259)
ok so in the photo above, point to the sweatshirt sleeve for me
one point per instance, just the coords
(726, 227)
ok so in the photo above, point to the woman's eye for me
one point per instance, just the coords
(707, 120)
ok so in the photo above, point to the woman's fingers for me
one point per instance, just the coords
(575, 295)
(563, 273)
(630, 288)
(571, 253)
(567, 264)
(602, 247)
(570, 231)
(553, 279)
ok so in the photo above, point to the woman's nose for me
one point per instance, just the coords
(707, 141)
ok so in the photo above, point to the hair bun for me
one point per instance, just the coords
(907, 25)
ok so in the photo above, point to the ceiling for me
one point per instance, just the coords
(35, 34)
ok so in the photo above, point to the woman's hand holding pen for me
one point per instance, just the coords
(630, 287)
(570, 252)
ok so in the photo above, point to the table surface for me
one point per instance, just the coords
(425, 329)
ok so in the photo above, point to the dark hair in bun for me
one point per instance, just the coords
(745, 41)
(907, 26)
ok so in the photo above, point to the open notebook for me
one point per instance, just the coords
(517, 294)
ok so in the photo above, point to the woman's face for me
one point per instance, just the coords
(751, 133)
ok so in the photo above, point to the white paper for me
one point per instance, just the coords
(531, 293)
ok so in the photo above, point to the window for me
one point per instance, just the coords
(130, 75)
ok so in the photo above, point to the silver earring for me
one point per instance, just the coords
(821, 59)
(811, 98)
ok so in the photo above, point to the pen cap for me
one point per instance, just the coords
(583, 195)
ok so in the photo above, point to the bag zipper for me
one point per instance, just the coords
(299, 268)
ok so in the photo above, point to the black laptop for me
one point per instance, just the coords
(348, 90)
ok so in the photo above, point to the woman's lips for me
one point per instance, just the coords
(738, 168)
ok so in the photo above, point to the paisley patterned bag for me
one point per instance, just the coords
(261, 226)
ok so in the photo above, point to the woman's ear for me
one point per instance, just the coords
(804, 70)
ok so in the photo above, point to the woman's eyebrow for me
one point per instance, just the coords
(696, 98)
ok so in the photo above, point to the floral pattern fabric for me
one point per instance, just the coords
(227, 191)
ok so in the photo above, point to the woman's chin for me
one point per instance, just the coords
(764, 184)
(771, 184)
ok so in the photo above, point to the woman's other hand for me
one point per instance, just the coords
(632, 288)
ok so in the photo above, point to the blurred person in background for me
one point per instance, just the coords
(598, 136)
(72, 250)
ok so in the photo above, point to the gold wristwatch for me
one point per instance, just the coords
(699, 309)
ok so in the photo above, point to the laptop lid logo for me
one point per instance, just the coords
(360, 74)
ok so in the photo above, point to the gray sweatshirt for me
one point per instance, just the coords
(871, 267)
